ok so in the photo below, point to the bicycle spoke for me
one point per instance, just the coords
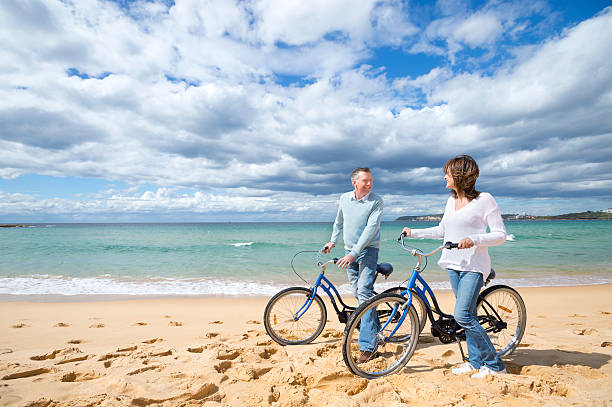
(393, 344)
(289, 321)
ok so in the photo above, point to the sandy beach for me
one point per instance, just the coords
(215, 352)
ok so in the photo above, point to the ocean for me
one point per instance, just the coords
(87, 261)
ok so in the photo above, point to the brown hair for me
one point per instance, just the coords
(464, 171)
(356, 172)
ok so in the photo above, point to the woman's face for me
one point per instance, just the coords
(450, 182)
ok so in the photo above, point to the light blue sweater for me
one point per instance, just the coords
(360, 222)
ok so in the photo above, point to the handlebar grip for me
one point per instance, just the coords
(403, 234)
(451, 245)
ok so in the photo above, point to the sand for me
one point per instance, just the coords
(215, 352)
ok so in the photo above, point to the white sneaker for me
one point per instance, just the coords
(464, 368)
(485, 371)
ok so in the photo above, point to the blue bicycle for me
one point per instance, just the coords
(297, 315)
(501, 311)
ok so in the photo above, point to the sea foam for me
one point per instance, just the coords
(121, 286)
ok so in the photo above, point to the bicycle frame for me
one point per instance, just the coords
(423, 290)
(331, 291)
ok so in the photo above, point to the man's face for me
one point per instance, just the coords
(363, 183)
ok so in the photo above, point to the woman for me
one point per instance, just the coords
(467, 215)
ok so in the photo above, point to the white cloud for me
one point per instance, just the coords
(479, 29)
(565, 74)
(236, 130)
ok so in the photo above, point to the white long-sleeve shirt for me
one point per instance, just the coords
(470, 221)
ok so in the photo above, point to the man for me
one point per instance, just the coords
(359, 216)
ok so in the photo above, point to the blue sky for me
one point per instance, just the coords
(258, 110)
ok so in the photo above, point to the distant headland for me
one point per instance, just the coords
(10, 225)
(588, 215)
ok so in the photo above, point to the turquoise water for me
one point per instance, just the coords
(254, 258)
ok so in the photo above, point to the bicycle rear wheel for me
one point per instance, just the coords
(281, 316)
(392, 352)
(502, 313)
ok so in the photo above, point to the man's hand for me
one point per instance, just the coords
(466, 243)
(345, 261)
(328, 247)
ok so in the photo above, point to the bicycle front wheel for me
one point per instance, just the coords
(289, 320)
(394, 340)
(502, 313)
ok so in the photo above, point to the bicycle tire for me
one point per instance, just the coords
(417, 302)
(391, 354)
(502, 313)
(281, 324)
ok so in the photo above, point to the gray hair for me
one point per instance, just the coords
(356, 171)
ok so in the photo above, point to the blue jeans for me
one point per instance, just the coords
(361, 275)
(466, 286)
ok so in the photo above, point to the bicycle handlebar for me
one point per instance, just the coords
(324, 265)
(415, 252)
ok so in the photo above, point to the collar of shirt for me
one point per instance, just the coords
(364, 198)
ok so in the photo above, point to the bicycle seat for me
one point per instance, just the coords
(385, 269)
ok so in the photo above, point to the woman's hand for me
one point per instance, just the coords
(466, 243)
(407, 231)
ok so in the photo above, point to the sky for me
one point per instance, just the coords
(258, 110)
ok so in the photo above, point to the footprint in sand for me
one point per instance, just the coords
(175, 323)
(606, 344)
(247, 373)
(252, 321)
(576, 316)
(75, 341)
(7, 350)
(19, 325)
(128, 349)
(61, 325)
(140, 324)
(227, 354)
(332, 334)
(267, 353)
(437, 363)
(164, 353)
(342, 382)
(211, 335)
(144, 369)
(197, 349)
(72, 360)
(154, 340)
(223, 366)
(54, 353)
(79, 377)
(99, 325)
(109, 356)
(26, 373)
(46, 356)
(167, 316)
(448, 353)
(584, 331)
(215, 322)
